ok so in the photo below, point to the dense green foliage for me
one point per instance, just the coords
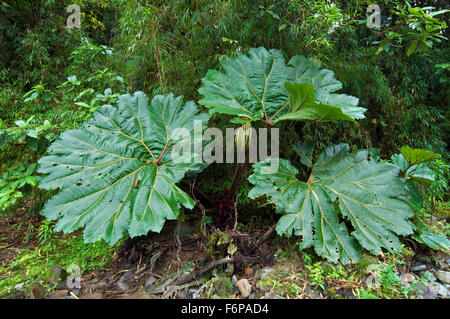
(366, 192)
(117, 173)
(393, 91)
(263, 87)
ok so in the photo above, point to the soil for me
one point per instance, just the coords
(155, 256)
(16, 233)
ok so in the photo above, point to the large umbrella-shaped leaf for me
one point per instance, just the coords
(419, 172)
(435, 241)
(252, 88)
(416, 155)
(303, 106)
(309, 71)
(117, 173)
(342, 187)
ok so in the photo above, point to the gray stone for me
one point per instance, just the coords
(20, 294)
(447, 261)
(427, 291)
(94, 295)
(75, 292)
(181, 294)
(271, 295)
(58, 294)
(150, 281)
(443, 276)
(123, 286)
(62, 285)
(263, 273)
(195, 293)
(431, 277)
(121, 282)
(372, 268)
(57, 274)
(19, 286)
(372, 281)
(244, 287)
(441, 264)
(234, 280)
(440, 289)
(409, 278)
(423, 259)
(418, 268)
(129, 273)
(37, 291)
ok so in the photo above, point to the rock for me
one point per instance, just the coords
(58, 294)
(372, 281)
(75, 292)
(251, 296)
(262, 273)
(234, 280)
(372, 268)
(418, 268)
(440, 289)
(271, 295)
(423, 259)
(57, 274)
(20, 294)
(430, 276)
(194, 293)
(121, 282)
(181, 294)
(62, 285)
(95, 295)
(427, 291)
(407, 279)
(244, 287)
(441, 264)
(447, 261)
(140, 294)
(150, 281)
(19, 286)
(443, 276)
(222, 286)
(128, 274)
(37, 291)
(123, 286)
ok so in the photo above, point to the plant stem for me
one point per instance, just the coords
(198, 190)
(238, 173)
(252, 202)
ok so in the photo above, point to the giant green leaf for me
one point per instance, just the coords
(117, 173)
(309, 71)
(252, 88)
(303, 106)
(435, 241)
(419, 172)
(416, 155)
(343, 188)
